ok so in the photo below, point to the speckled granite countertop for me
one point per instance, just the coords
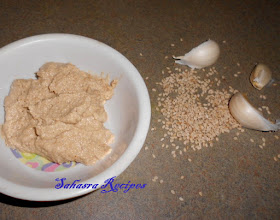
(234, 178)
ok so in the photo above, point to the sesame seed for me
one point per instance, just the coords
(154, 156)
(235, 75)
(182, 177)
(141, 54)
(235, 138)
(263, 139)
(166, 57)
(146, 148)
(200, 193)
(154, 90)
(224, 41)
(275, 158)
(238, 64)
(172, 191)
(161, 181)
(162, 139)
(181, 199)
(276, 137)
(278, 155)
(172, 45)
(190, 160)
(251, 140)
(181, 39)
(260, 146)
(186, 118)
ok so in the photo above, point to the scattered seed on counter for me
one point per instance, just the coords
(152, 129)
(190, 160)
(235, 138)
(263, 139)
(154, 90)
(252, 140)
(162, 139)
(260, 146)
(182, 177)
(172, 191)
(161, 181)
(154, 156)
(278, 155)
(235, 75)
(224, 42)
(146, 148)
(172, 45)
(275, 158)
(155, 178)
(238, 64)
(197, 124)
(276, 137)
(166, 57)
(200, 193)
(141, 54)
(181, 39)
(147, 78)
(181, 199)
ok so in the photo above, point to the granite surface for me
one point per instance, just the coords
(232, 179)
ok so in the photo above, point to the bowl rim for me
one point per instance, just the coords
(134, 147)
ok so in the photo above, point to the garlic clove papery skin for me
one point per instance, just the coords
(204, 55)
(248, 116)
(260, 76)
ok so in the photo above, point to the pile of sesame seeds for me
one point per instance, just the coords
(193, 112)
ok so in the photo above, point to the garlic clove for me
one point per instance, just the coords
(260, 76)
(201, 56)
(248, 116)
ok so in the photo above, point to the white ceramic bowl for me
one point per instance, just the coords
(129, 113)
